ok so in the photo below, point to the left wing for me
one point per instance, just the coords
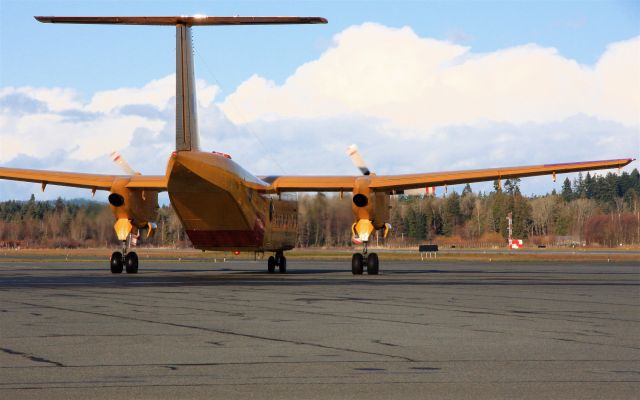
(81, 180)
(388, 183)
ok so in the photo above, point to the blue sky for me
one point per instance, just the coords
(488, 83)
(100, 57)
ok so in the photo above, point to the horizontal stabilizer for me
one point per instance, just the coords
(184, 20)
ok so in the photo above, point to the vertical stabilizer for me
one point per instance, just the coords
(186, 106)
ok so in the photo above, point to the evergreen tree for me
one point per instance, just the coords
(521, 214)
(451, 215)
(579, 190)
(498, 204)
(589, 186)
(567, 192)
(512, 186)
(635, 180)
(497, 186)
(416, 224)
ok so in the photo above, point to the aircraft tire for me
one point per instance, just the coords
(131, 263)
(116, 262)
(271, 264)
(282, 265)
(357, 262)
(372, 264)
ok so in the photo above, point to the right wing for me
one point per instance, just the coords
(417, 181)
(81, 180)
(397, 183)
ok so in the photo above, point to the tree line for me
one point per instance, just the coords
(599, 210)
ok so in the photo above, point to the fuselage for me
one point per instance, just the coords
(224, 207)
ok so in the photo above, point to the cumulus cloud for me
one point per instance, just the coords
(420, 84)
(37, 122)
(411, 104)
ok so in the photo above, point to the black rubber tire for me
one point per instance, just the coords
(357, 262)
(372, 264)
(282, 265)
(116, 262)
(271, 264)
(131, 263)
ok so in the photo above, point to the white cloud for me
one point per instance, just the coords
(56, 99)
(39, 121)
(39, 134)
(419, 84)
(156, 93)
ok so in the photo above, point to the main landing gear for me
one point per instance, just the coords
(279, 260)
(360, 260)
(124, 260)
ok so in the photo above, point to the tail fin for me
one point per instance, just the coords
(186, 106)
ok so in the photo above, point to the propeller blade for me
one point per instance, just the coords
(355, 156)
(117, 158)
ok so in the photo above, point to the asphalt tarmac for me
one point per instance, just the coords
(433, 329)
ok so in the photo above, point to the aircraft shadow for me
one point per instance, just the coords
(98, 277)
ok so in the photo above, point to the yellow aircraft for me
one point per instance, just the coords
(224, 207)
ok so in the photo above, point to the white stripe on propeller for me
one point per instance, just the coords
(354, 154)
(117, 158)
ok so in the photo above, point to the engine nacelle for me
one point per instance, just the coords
(137, 206)
(369, 205)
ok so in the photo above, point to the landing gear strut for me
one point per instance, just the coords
(360, 260)
(278, 260)
(124, 260)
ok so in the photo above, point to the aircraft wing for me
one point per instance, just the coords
(390, 183)
(415, 181)
(81, 180)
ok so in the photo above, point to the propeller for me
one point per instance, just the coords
(354, 154)
(117, 158)
(151, 226)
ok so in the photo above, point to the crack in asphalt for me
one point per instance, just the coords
(31, 357)
(437, 307)
(220, 331)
